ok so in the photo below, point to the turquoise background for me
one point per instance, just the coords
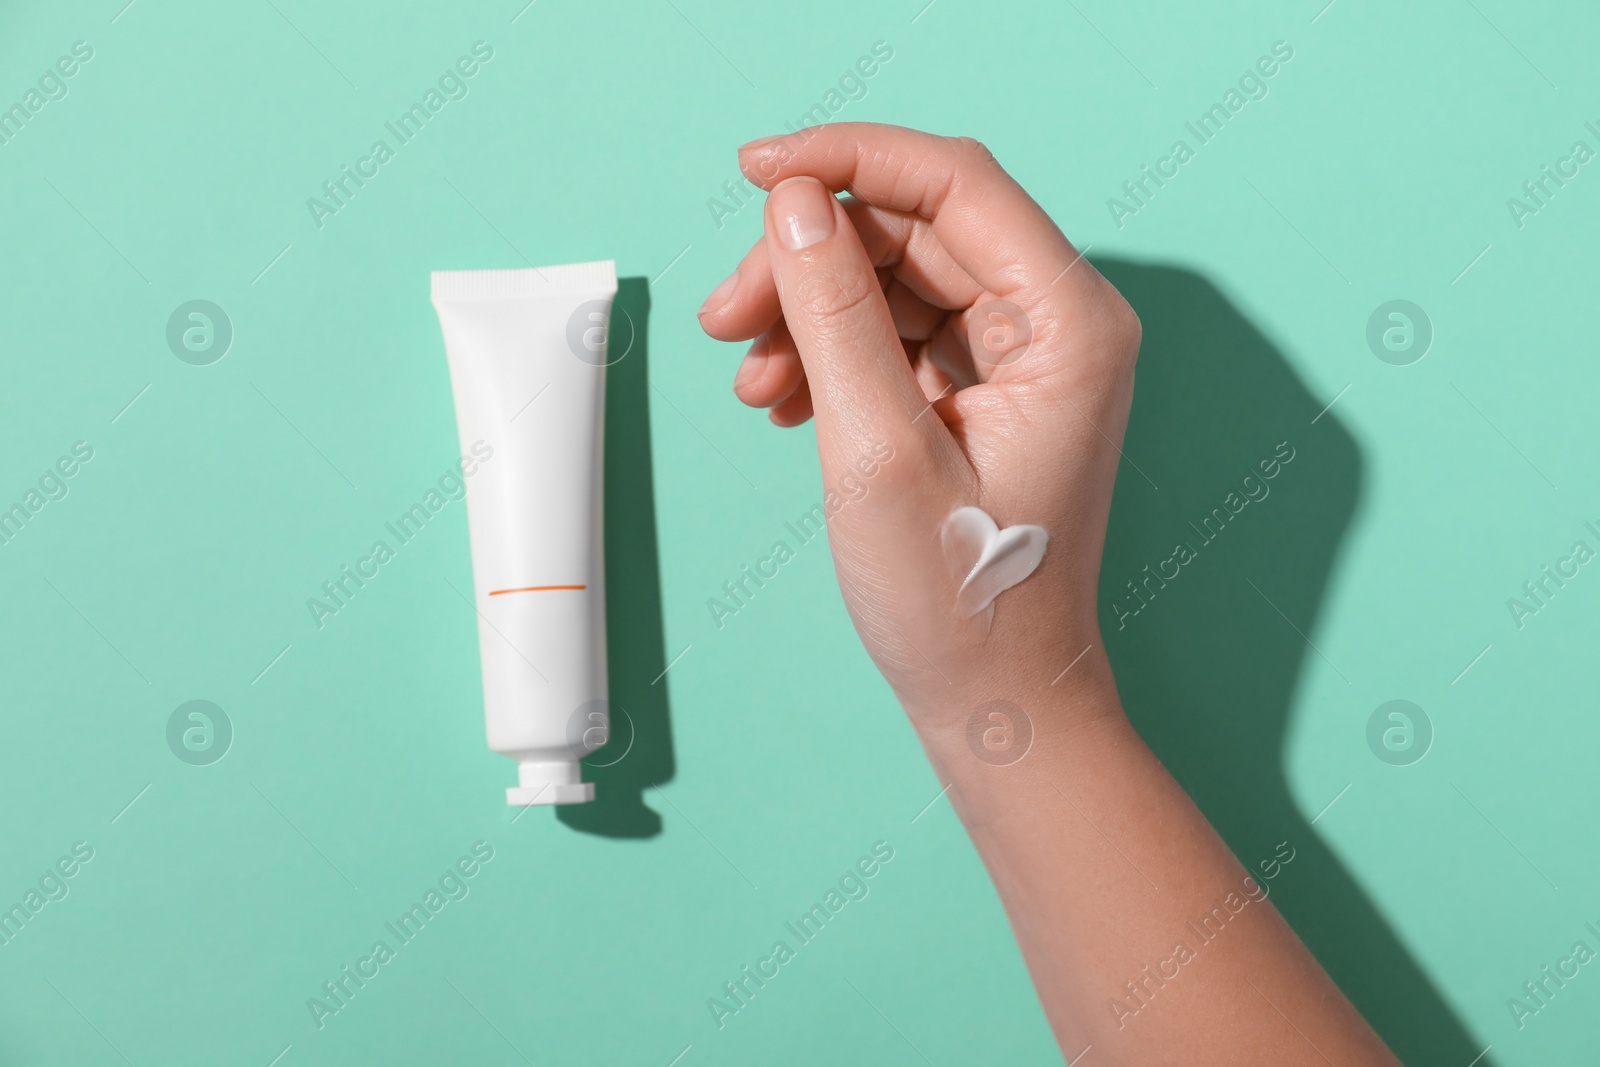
(770, 756)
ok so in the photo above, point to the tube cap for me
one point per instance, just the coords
(549, 783)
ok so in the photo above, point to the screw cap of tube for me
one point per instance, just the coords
(549, 783)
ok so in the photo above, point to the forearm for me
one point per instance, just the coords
(940, 311)
(1145, 937)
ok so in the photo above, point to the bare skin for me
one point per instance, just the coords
(939, 311)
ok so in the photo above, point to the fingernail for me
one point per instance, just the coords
(751, 370)
(759, 141)
(720, 295)
(803, 210)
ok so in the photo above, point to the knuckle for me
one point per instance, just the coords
(828, 293)
(1117, 325)
(969, 158)
(1127, 331)
(972, 150)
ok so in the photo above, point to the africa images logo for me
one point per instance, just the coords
(1253, 488)
(338, 191)
(852, 885)
(453, 885)
(1138, 192)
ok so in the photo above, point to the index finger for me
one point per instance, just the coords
(988, 223)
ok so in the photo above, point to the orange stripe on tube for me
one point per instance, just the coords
(534, 589)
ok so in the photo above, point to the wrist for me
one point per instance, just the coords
(1011, 715)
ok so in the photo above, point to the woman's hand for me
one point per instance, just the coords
(957, 351)
(939, 317)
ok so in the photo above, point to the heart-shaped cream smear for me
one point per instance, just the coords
(991, 560)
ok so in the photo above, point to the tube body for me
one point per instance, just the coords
(527, 354)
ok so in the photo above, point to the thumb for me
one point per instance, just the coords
(862, 386)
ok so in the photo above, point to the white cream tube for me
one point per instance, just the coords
(527, 353)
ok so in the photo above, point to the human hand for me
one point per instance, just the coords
(939, 311)
(957, 351)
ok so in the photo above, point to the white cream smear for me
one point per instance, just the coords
(992, 560)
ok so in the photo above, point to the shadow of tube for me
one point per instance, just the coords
(638, 752)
